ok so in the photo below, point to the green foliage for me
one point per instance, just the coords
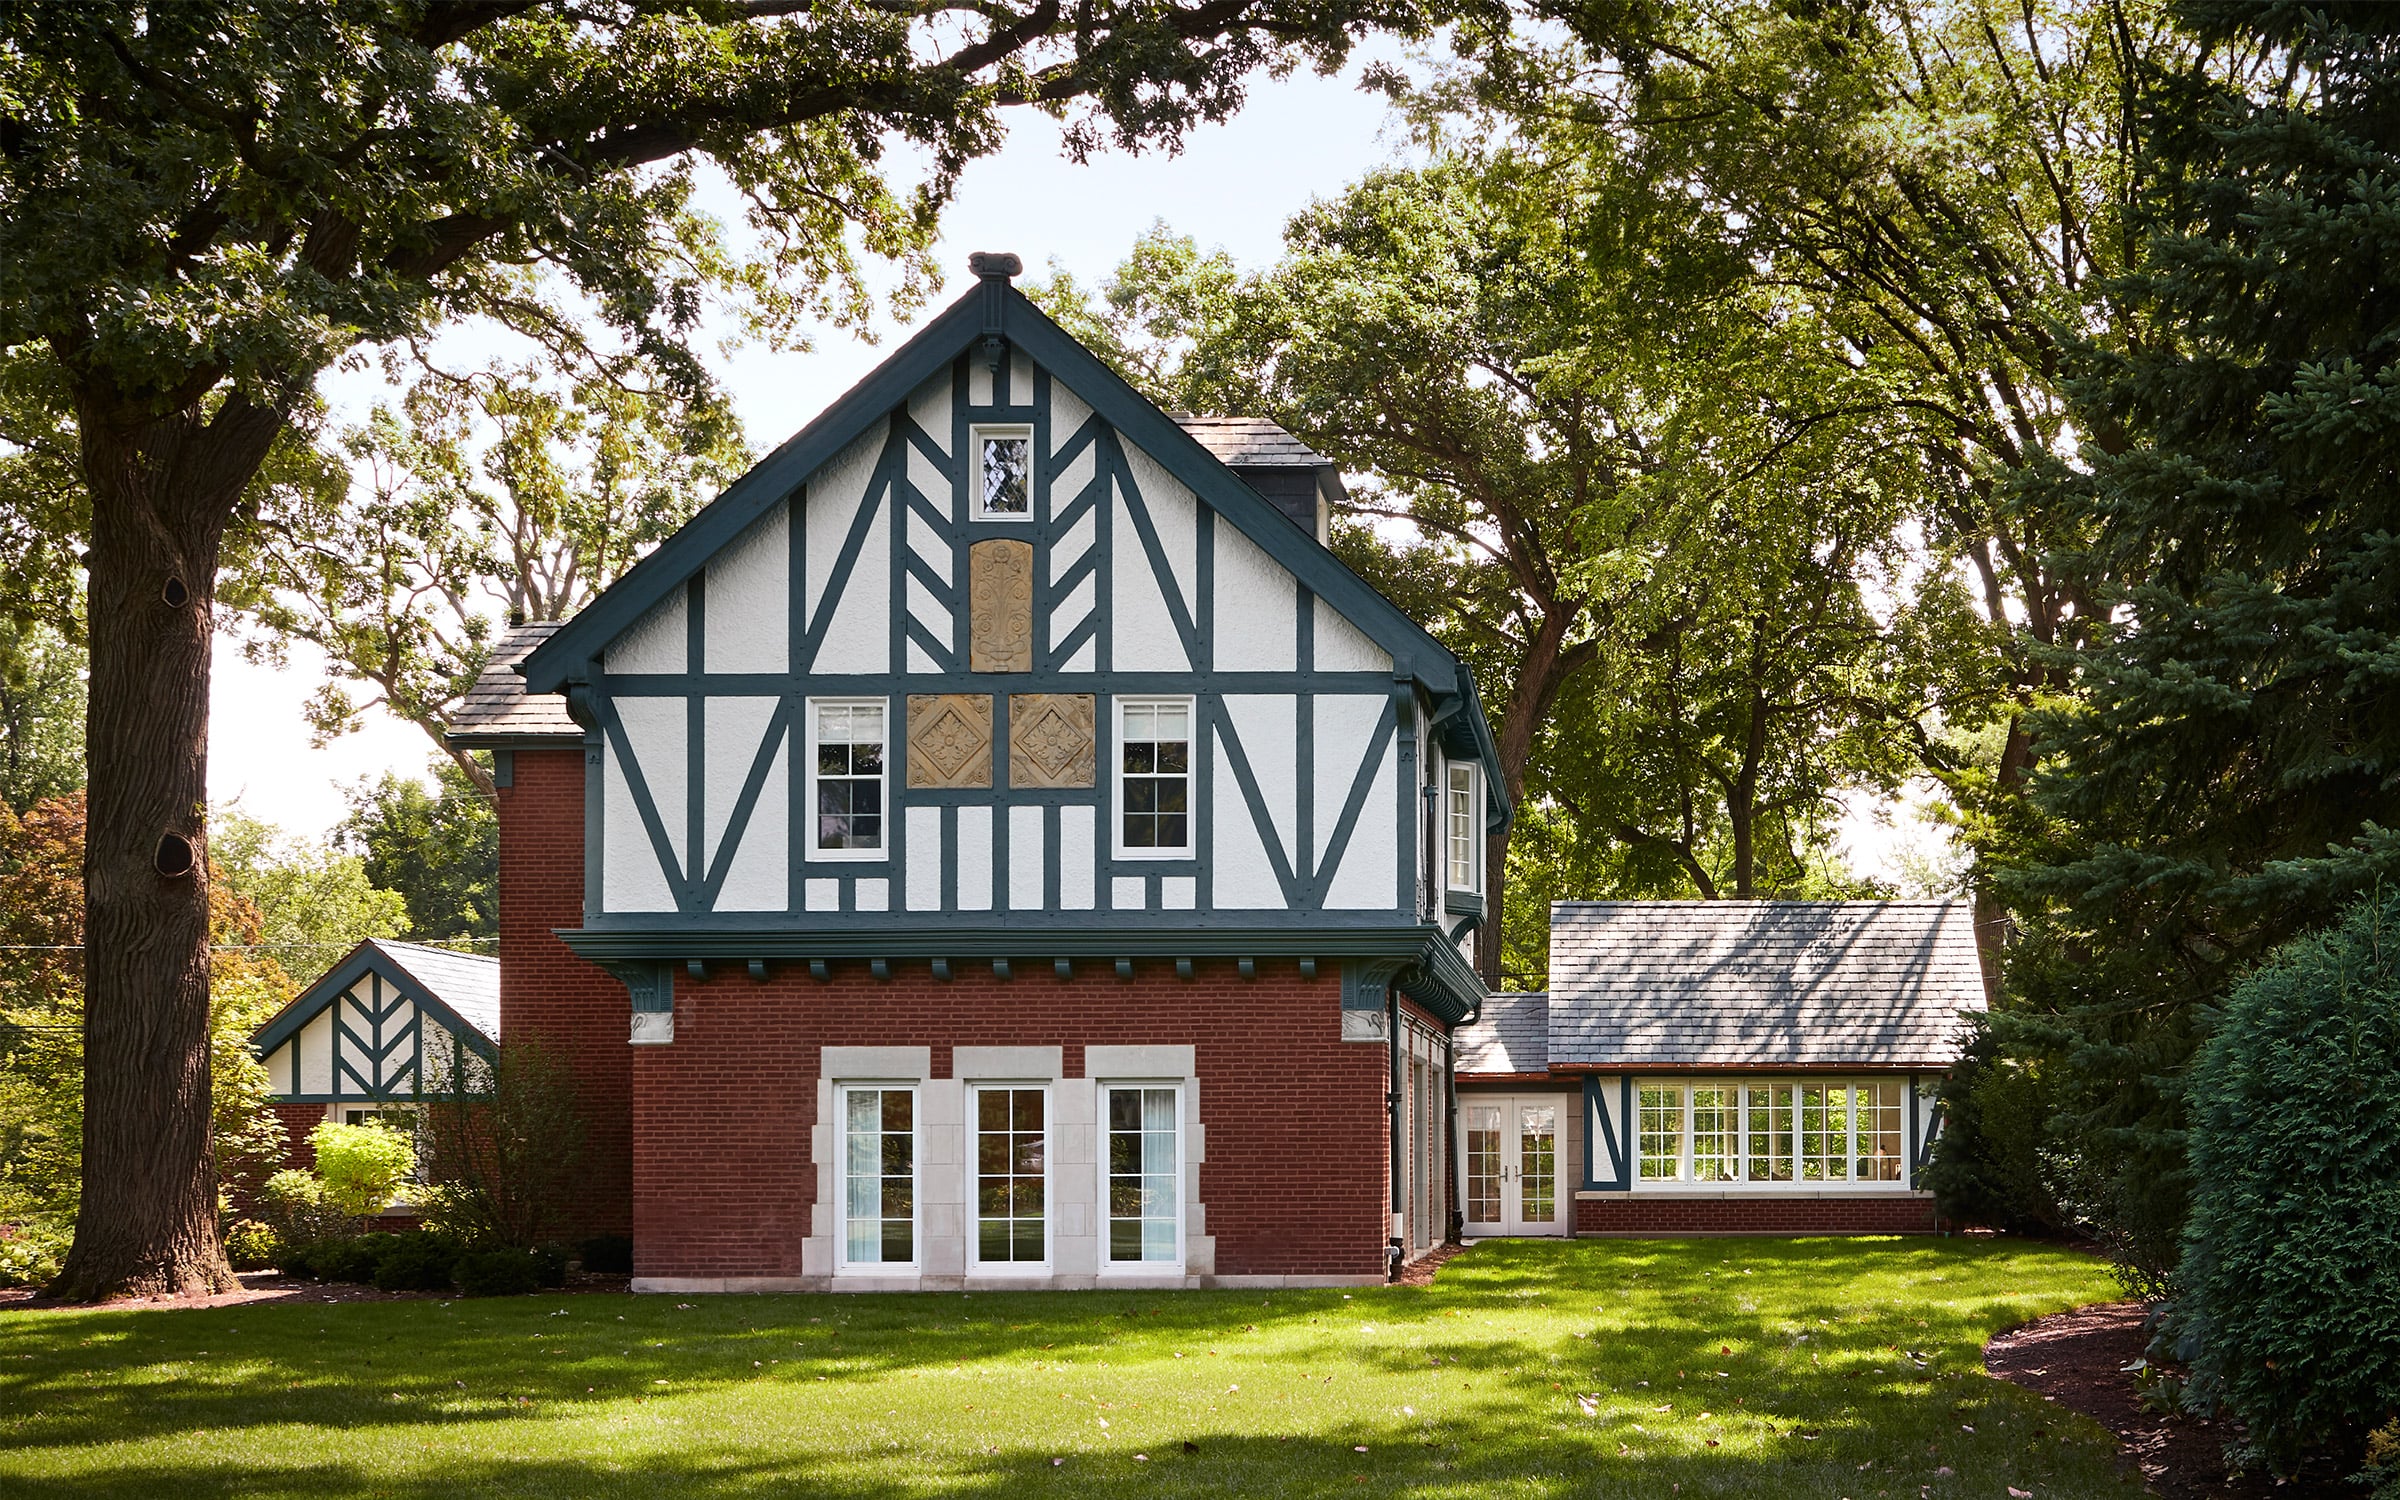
(363, 1167)
(438, 848)
(485, 495)
(504, 1148)
(251, 1245)
(2287, 1279)
(41, 714)
(498, 1273)
(1991, 1163)
(419, 1261)
(2382, 1472)
(2218, 779)
(293, 1206)
(316, 902)
(32, 1252)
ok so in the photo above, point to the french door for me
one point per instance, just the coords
(1512, 1154)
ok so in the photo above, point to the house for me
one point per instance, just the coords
(1714, 1067)
(387, 1024)
(997, 843)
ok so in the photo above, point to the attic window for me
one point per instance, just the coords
(1004, 473)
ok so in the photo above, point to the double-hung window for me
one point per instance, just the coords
(1662, 1134)
(1143, 1165)
(846, 743)
(1004, 473)
(1012, 1176)
(879, 1175)
(1154, 776)
(1460, 824)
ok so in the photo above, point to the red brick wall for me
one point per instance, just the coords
(1296, 1131)
(546, 992)
(1860, 1215)
(298, 1120)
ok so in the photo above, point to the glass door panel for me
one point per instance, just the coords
(1537, 1168)
(1481, 1123)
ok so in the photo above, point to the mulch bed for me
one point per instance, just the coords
(269, 1286)
(1420, 1272)
(2078, 1360)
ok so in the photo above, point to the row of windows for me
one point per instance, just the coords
(847, 782)
(1771, 1132)
(1141, 1173)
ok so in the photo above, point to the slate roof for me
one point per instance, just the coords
(498, 710)
(1761, 983)
(1250, 443)
(1512, 1036)
(468, 983)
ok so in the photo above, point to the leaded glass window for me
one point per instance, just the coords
(1005, 478)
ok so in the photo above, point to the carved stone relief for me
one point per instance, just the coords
(949, 740)
(1050, 739)
(1000, 606)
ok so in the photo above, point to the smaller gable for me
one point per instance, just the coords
(384, 1024)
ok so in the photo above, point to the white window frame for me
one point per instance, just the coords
(842, 1263)
(1175, 1267)
(808, 789)
(1746, 1130)
(976, 437)
(1191, 776)
(974, 1174)
(1474, 875)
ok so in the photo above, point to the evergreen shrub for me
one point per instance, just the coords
(2290, 1302)
(498, 1273)
(1987, 1165)
(417, 1261)
(251, 1246)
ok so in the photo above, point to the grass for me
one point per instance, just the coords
(1792, 1369)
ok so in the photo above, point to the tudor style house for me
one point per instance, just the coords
(1718, 1067)
(996, 842)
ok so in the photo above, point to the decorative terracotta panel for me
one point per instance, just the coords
(1000, 606)
(1050, 740)
(949, 740)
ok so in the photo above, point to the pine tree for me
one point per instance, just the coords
(2225, 770)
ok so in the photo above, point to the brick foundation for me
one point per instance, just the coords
(549, 995)
(1877, 1214)
(1296, 1131)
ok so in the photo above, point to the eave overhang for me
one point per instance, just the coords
(1434, 975)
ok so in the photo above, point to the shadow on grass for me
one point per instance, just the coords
(1830, 1352)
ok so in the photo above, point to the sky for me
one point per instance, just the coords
(1232, 185)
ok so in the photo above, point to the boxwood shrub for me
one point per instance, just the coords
(498, 1273)
(2290, 1301)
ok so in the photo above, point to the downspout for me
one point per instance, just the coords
(1396, 1250)
(1454, 1223)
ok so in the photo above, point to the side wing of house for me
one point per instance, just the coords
(368, 1032)
(996, 662)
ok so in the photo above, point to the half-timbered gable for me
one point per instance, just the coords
(995, 649)
(388, 1024)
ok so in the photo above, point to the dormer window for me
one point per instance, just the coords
(1464, 847)
(1004, 473)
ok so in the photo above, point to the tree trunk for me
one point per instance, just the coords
(162, 492)
(1548, 663)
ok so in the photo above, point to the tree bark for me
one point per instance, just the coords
(162, 493)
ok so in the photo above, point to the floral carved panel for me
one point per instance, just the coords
(949, 740)
(1050, 740)
(1000, 606)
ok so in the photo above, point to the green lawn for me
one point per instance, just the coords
(1726, 1367)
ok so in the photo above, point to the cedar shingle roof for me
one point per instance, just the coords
(497, 708)
(1761, 983)
(1513, 1036)
(1251, 443)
